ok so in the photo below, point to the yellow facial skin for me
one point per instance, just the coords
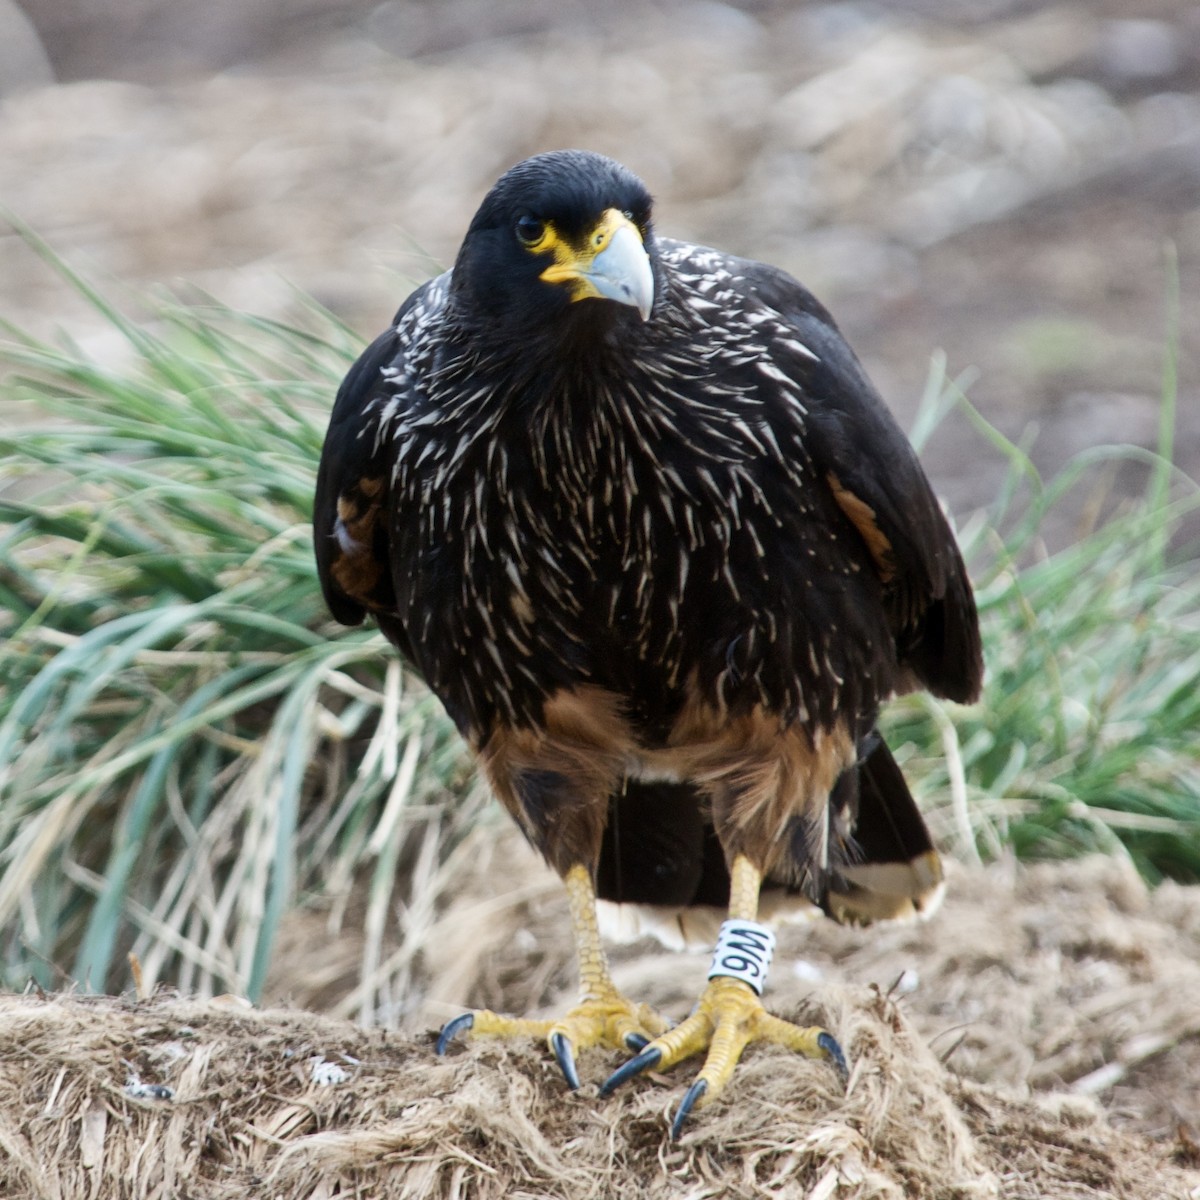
(610, 263)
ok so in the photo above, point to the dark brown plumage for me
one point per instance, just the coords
(635, 513)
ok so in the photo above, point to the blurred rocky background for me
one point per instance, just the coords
(1006, 180)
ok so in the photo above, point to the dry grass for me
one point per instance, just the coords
(285, 1104)
(1034, 1001)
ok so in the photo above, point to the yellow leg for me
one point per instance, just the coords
(603, 1016)
(744, 885)
(728, 1017)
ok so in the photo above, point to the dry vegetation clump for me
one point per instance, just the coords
(1045, 978)
(976, 1078)
(169, 1097)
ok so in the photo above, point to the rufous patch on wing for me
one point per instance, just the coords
(862, 516)
(356, 568)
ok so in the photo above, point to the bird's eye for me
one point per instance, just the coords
(530, 230)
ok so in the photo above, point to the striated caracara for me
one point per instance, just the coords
(634, 512)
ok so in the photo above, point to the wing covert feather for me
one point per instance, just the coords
(877, 480)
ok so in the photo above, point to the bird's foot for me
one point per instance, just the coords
(728, 1018)
(605, 1019)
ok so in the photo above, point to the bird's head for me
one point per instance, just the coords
(561, 245)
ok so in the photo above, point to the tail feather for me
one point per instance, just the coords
(890, 868)
(660, 858)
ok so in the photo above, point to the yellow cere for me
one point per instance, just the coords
(572, 261)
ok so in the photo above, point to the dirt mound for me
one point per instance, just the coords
(983, 1044)
(1060, 977)
(168, 1098)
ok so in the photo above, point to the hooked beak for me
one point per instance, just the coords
(611, 264)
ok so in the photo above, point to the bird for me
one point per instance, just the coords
(635, 513)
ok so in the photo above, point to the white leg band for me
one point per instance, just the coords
(744, 950)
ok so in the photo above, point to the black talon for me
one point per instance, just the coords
(687, 1104)
(452, 1028)
(651, 1056)
(833, 1052)
(561, 1045)
(636, 1041)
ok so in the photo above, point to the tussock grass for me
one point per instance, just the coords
(184, 748)
(188, 745)
(1086, 738)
